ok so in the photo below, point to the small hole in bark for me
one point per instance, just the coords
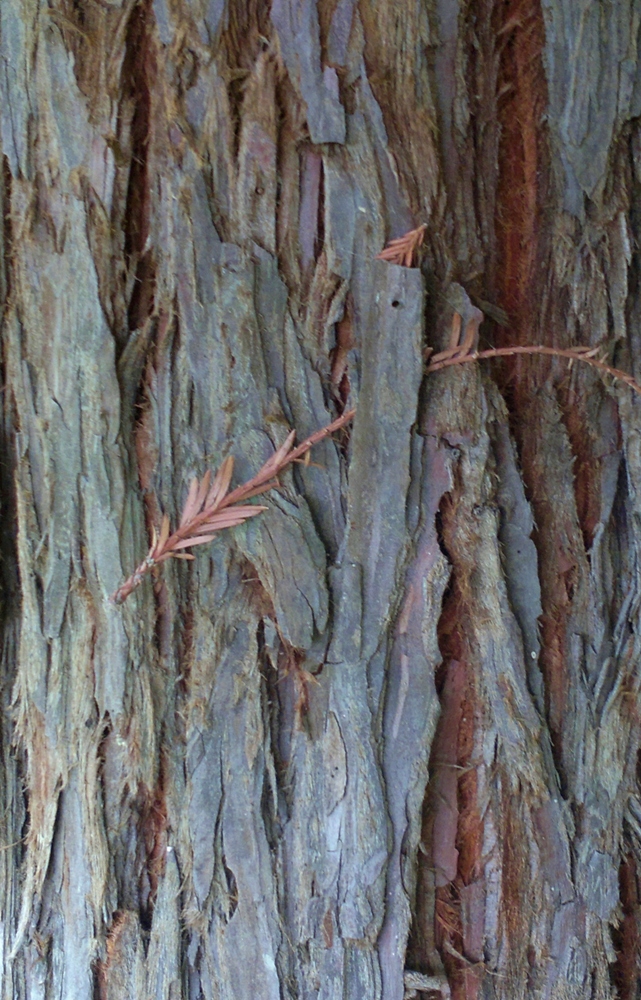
(396, 304)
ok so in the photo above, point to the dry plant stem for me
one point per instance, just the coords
(210, 508)
(573, 354)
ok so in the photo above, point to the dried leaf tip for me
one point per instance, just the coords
(209, 509)
(403, 248)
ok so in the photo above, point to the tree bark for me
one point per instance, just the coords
(383, 739)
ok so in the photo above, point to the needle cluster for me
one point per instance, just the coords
(404, 249)
(210, 506)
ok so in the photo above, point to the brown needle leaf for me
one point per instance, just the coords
(209, 509)
(190, 502)
(403, 248)
(185, 543)
(221, 482)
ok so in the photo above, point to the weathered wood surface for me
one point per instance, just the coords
(384, 737)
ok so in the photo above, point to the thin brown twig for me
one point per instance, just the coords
(585, 354)
(210, 508)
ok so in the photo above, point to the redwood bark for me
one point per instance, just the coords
(382, 739)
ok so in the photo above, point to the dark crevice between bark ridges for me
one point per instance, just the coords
(139, 72)
(15, 821)
(516, 280)
(9, 578)
(138, 888)
(153, 825)
(626, 937)
(246, 34)
(451, 832)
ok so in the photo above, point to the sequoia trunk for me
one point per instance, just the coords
(381, 739)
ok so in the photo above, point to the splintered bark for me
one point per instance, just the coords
(382, 740)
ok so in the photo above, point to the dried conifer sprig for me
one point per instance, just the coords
(585, 354)
(402, 249)
(210, 506)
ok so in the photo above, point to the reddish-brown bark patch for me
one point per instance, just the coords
(522, 97)
(626, 938)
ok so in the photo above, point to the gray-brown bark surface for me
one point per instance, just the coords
(384, 736)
